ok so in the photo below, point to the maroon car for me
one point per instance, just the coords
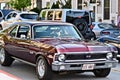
(54, 47)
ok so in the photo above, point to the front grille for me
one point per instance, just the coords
(85, 56)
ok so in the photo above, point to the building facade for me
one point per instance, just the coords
(39, 3)
(119, 7)
(3, 3)
(106, 10)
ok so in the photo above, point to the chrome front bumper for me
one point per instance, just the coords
(71, 66)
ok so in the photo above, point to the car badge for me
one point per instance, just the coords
(88, 56)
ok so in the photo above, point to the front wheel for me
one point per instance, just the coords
(102, 72)
(5, 58)
(43, 69)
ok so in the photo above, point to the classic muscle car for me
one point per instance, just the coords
(54, 47)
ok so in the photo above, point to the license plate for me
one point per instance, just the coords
(88, 67)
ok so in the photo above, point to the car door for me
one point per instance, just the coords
(20, 42)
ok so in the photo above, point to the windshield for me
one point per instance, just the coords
(55, 31)
(105, 26)
(29, 16)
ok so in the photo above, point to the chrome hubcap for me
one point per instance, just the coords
(2, 55)
(41, 68)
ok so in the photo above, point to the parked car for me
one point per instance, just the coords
(3, 13)
(54, 47)
(115, 41)
(80, 18)
(113, 32)
(15, 16)
(99, 26)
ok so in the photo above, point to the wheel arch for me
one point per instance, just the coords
(47, 60)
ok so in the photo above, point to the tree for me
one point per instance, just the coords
(65, 4)
(19, 4)
(55, 5)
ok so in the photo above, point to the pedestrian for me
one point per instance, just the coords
(118, 22)
(100, 20)
(113, 23)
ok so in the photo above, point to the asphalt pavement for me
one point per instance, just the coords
(22, 71)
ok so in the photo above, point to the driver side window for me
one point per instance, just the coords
(14, 31)
(23, 31)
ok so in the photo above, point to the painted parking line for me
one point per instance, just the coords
(6, 76)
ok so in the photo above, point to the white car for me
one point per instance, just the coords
(99, 26)
(15, 16)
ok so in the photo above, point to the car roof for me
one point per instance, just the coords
(69, 10)
(25, 12)
(96, 22)
(43, 22)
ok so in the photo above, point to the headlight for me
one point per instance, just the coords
(109, 55)
(61, 57)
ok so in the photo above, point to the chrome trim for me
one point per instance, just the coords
(56, 66)
(94, 62)
(75, 53)
(24, 61)
(118, 55)
(86, 52)
(86, 60)
(115, 51)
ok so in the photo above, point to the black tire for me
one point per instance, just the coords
(102, 72)
(82, 25)
(47, 73)
(5, 58)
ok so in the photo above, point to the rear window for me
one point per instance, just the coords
(58, 15)
(105, 26)
(74, 14)
(77, 14)
(29, 16)
(50, 15)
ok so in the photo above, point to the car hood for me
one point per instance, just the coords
(75, 46)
